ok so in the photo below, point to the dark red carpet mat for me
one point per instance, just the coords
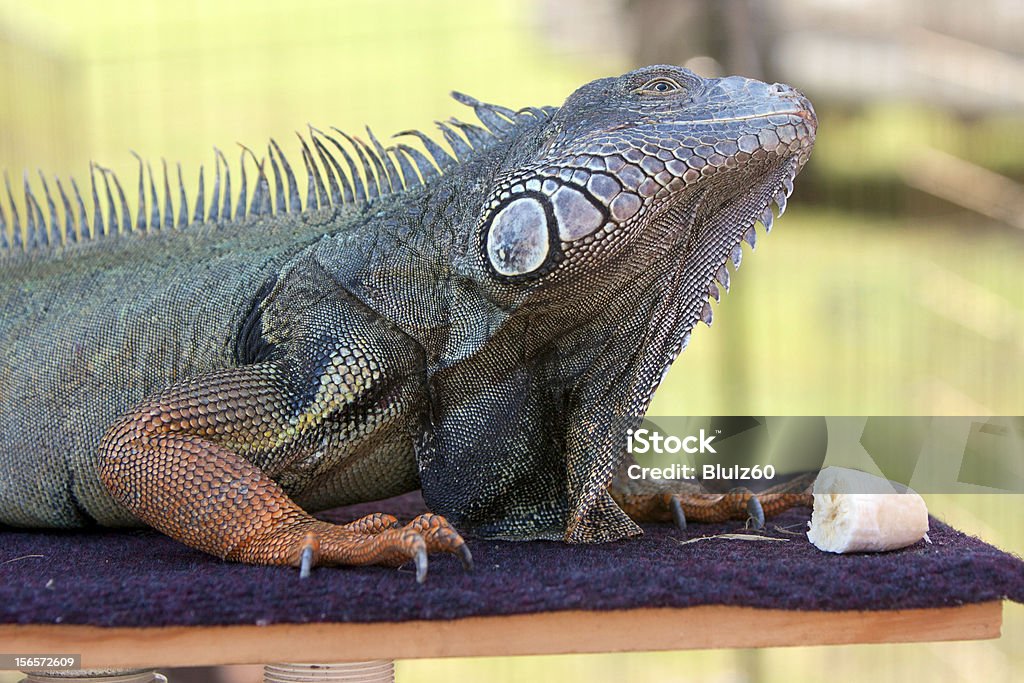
(141, 578)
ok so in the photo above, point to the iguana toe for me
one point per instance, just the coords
(373, 523)
(441, 537)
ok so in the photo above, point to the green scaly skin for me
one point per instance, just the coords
(486, 335)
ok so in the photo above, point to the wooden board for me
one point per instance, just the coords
(530, 634)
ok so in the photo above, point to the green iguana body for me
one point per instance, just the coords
(474, 332)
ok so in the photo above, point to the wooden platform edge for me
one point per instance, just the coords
(647, 629)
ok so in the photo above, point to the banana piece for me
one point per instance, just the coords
(858, 512)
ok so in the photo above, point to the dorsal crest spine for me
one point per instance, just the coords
(379, 172)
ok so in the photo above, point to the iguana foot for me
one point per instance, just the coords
(369, 525)
(683, 502)
(739, 503)
(378, 539)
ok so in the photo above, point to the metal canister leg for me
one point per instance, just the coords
(374, 671)
(94, 676)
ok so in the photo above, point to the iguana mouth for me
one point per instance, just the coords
(802, 113)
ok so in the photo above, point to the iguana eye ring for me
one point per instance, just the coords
(660, 85)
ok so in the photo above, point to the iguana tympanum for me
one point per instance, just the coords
(470, 325)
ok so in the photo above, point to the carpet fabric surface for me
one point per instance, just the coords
(141, 578)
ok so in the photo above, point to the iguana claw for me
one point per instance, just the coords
(466, 557)
(306, 562)
(677, 512)
(308, 554)
(421, 565)
(755, 512)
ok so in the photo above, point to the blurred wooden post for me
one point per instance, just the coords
(966, 184)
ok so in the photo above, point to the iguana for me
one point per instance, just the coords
(482, 326)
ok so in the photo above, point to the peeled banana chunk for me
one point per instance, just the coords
(858, 512)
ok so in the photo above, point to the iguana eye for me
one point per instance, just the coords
(660, 85)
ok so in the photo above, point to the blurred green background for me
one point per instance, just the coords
(893, 286)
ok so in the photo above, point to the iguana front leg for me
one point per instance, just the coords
(178, 463)
(662, 500)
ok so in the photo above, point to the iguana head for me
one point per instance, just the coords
(630, 167)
